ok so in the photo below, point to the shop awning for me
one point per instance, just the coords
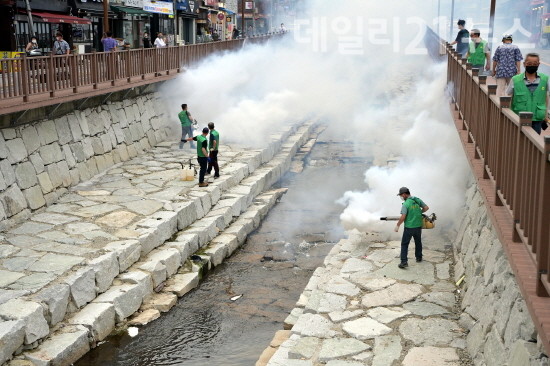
(128, 10)
(227, 11)
(59, 18)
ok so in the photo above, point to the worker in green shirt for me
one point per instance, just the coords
(213, 146)
(186, 121)
(411, 214)
(202, 154)
(479, 54)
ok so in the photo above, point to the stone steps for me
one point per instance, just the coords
(115, 284)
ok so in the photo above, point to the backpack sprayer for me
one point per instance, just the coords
(428, 222)
(188, 173)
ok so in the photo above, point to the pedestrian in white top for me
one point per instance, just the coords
(159, 42)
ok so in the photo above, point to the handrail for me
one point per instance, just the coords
(511, 162)
(27, 79)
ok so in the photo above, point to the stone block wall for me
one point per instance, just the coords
(500, 329)
(39, 161)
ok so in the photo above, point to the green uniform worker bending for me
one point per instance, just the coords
(186, 121)
(213, 146)
(529, 92)
(411, 215)
(202, 154)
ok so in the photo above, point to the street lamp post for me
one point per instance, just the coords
(492, 20)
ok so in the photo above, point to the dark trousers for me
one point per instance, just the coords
(409, 233)
(537, 126)
(214, 163)
(203, 162)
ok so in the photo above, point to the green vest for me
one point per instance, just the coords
(200, 140)
(414, 214)
(214, 135)
(184, 118)
(477, 54)
(525, 101)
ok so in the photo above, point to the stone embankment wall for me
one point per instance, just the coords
(40, 160)
(500, 329)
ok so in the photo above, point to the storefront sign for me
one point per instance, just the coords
(213, 3)
(228, 19)
(159, 7)
(134, 3)
(249, 5)
(221, 16)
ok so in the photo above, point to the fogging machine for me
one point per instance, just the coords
(428, 222)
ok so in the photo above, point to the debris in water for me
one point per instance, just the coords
(460, 280)
(235, 298)
(133, 331)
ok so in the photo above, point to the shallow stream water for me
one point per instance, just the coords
(270, 271)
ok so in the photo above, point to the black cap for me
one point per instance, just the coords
(403, 190)
(205, 130)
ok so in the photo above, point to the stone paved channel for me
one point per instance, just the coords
(361, 309)
(89, 261)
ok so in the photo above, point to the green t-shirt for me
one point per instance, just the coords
(201, 142)
(184, 118)
(214, 135)
(412, 207)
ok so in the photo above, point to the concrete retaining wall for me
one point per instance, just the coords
(40, 160)
(501, 331)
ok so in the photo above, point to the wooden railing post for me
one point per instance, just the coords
(74, 77)
(112, 66)
(24, 77)
(51, 76)
(127, 54)
(142, 63)
(94, 69)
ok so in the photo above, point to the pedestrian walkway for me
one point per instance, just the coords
(361, 309)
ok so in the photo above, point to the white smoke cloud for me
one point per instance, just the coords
(367, 85)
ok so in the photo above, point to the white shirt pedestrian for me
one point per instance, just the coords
(159, 42)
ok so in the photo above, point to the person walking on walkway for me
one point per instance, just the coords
(479, 54)
(213, 146)
(462, 38)
(60, 46)
(159, 41)
(186, 125)
(202, 154)
(32, 45)
(411, 214)
(109, 43)
(506, 63)
(529, 92)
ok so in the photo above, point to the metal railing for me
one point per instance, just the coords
(512, 165)
(27, 78)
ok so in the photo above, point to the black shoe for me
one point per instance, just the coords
(419, 259)
(216, 176)
(403, 265)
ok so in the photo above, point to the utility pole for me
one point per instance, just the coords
(452, 20)
(242, 17)
(29, 14)
(492, 21)
(105, 15)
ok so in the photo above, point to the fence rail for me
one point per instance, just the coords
(30, 79)
(511, 163)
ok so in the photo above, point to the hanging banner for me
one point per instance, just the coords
(159, 7)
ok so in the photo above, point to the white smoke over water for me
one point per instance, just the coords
(363, 73)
